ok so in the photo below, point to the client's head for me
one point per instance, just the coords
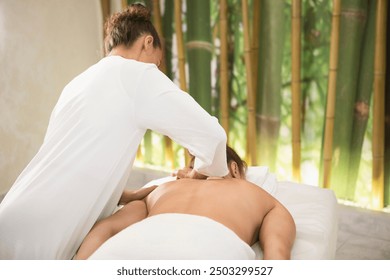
(237, 167)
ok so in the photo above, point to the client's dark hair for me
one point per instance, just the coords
(231, 155)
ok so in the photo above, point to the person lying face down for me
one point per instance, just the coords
(245, 209)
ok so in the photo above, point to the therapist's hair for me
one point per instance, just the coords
(125, 27)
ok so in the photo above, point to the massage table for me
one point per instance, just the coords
(314, 211)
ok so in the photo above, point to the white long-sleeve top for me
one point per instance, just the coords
(81, 169)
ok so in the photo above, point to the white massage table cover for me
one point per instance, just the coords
(314, 211)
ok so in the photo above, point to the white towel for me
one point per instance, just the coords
(175, 236)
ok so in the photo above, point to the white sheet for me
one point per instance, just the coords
(316, 217)
(314, 211)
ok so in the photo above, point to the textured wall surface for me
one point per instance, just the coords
(43, 45)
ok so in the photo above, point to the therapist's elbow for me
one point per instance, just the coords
(218, 132)
(221, 137)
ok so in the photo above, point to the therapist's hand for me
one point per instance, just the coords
(131, 195)
(189, 173)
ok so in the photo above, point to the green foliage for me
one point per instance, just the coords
(316, 29)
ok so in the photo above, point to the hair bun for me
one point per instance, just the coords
(139, 12)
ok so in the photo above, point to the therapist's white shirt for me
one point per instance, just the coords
(82, 167)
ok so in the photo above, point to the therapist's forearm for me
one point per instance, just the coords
(131, 195)
(215, 163)
(193, 174)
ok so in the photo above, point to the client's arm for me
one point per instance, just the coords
(129, 214)
(277, 233)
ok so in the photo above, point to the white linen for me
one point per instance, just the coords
(81, 169)
(314, 211)
(260, 175)
(173, 237)
(160, 181)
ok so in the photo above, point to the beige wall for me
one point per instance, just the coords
(43, 45)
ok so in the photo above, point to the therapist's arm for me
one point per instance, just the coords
(166, 109)
(191, 174)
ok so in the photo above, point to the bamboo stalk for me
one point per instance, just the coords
(251, 137)
(353, 20)
(157, 20)
(180, 46)
(365, 82)
(124, 4)
(255, 57)
(224, 66)
(331, 95)
(268, 100)
(167, 25)
(158, 25)
(378, 112)
(105, 4)
(255, 43)
(296, 87)
(180, 55)
(199, 52)
(387, 118)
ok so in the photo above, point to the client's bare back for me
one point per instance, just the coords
(235, 203)
(243, 207)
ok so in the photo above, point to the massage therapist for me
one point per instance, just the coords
(81, 169)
